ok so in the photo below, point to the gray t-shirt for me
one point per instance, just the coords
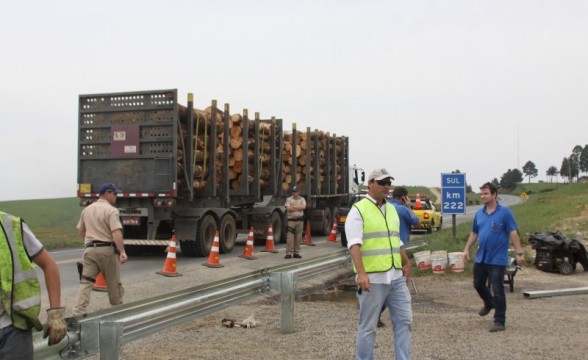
(33, 247)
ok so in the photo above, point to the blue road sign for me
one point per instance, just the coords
(453, 194)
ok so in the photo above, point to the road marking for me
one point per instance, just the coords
(70, 261)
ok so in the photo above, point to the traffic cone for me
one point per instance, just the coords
(417, 202)
(213, 257)
(269, 242)
(308, 239)
(100, 283)
(333, 234)
(169, 266)
(248, 251)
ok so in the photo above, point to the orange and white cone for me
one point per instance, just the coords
(100, 283)
(417, 202)
(248, 251)
(169, 266)
(333, 234)
(307, 238)
(269, 242)
(213, 257)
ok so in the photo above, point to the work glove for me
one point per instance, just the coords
(55, 329)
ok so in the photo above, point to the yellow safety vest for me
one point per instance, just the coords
(21, 293)
(381, 237)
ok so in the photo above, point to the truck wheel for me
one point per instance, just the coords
(326, 222)
(430, 228)
(204, 237)
(440, 225)
(277, 227)
(228, 234)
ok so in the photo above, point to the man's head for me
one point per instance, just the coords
(399, 192)
(108, 191)
(295, 191)
(379, 182)
(488, 192)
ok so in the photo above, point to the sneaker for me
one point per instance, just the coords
(288, 256)
(497, 327)
(485, 310)
(297, 256)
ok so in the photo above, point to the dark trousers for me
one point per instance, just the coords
(492, 299)
(16, 344)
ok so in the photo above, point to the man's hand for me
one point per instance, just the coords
(55, 329)
(122, 258)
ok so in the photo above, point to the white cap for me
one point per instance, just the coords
(380, 174)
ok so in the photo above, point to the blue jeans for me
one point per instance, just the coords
(495, 299)
(397, 298)
(16, 344)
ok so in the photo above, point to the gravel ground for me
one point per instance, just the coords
(446, 326)
(446, 323)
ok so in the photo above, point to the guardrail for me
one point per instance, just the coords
(105, 331)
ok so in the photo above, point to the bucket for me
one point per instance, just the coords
(439, 261)
(455, 261)
(423, 259)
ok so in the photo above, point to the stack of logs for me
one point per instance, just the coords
(202, 129)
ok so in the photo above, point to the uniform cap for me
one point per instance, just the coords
(295, 189)
(108, 187)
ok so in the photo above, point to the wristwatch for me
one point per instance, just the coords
(520, 254)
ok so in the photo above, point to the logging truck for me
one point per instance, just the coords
(190, 172)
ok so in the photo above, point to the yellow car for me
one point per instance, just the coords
(429, 217)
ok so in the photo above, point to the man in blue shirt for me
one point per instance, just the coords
(407, 217)
(493, 226)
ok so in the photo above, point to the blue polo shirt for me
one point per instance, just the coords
(407, 218)
(493, 232)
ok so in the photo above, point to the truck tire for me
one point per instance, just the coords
(323, 223)
(277, 222)
(228, 234)
(204, 237)
(430, 228)
(440, 225)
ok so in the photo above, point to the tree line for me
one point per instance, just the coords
(570, 169)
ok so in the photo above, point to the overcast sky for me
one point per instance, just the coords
(419, 87)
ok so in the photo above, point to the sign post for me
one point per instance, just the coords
(453, 196)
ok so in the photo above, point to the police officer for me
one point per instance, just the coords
(295, 206)
(20, 292)
(101, 230)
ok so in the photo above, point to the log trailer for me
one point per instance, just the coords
(192, 172)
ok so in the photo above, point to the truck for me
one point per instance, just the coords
(188, 173)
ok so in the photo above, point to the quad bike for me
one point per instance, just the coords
(556, 253)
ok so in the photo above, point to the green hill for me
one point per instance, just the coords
(52, 220)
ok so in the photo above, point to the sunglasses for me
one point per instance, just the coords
(386, 182)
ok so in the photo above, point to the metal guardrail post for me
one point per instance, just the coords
(287, 291)
(111, 333)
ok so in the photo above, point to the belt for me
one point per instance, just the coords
(296, 219)
(98, 244)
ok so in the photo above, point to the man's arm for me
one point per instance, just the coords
(516, 240)
(406, 266)
(52, 279)
(466, 251)
(120, 246)
(363, 281)
(55, 328)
